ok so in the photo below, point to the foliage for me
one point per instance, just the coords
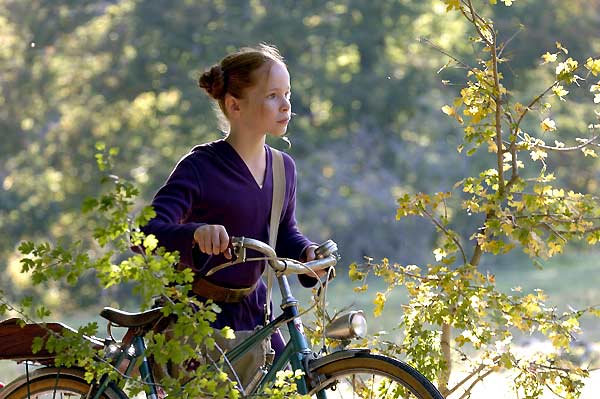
(368, 128)
(521, 203)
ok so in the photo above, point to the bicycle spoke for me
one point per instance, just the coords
(367, 386)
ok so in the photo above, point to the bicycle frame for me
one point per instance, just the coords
(295, 352)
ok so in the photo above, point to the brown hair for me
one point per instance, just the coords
(237, 72)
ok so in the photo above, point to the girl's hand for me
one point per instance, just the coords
(309, 254)
(213, 239)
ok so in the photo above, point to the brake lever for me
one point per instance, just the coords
(239, 256)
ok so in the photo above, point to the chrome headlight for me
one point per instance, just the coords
(348, 325)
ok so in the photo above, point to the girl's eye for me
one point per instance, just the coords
(272, 95)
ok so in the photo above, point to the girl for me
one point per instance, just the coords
(224, 188)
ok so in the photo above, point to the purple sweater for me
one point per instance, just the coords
(213, 185)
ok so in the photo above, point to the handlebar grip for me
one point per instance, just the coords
(325, 249)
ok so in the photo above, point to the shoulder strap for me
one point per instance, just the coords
(278, 195)
(276, 208)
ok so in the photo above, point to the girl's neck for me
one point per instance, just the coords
(247, 146)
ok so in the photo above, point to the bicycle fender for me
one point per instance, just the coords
(313, 364)
(113, 391)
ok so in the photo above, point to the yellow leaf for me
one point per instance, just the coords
(548, 125)
(520, 108)
(588, 152)
(559, 91)
(595, 312)
(379, 302)
(448, 110)
(565, 69)
(538, 154)
(452, 5)
(150, 242)
(227, 333)
(439, 254)
(559, 341)
(560, 47)
(507, 3)
(549, 57)
(593, 66)
(507, 228)
(554, 248)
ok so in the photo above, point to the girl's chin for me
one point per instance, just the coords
(278, 132)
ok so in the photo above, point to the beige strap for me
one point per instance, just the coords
(276, 208)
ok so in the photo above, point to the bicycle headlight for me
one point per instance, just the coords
(348, 325)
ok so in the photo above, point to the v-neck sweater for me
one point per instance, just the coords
(213, 185)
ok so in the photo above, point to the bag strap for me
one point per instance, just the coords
(276, 208)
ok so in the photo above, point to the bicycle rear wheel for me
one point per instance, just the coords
(366, 375)
(52, 384)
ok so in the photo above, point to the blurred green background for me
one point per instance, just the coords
(365, 88)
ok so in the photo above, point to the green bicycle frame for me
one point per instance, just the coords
(295, 352)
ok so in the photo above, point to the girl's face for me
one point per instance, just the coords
(266, 106)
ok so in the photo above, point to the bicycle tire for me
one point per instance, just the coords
(49, 383)
(366, 375)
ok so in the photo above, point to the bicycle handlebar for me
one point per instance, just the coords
(280, 265)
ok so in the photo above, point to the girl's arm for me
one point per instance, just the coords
(173, 204)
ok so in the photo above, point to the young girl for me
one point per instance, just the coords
(224, 188)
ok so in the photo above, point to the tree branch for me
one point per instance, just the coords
(531, 104)
(474, 18)
(448, 233)
(480, 378)
(438, 48)
(446, 347)
(472, 374)
(574, 148)
(498, 114)
(510, 39)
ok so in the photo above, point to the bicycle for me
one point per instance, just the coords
(343, 373)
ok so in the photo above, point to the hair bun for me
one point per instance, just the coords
(213, 81)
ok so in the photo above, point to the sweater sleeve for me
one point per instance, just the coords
(173, 204)
(291, 243)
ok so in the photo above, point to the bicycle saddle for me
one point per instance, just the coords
(127, 319)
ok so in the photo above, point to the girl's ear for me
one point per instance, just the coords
(232, 104)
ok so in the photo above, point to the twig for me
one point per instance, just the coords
(441, 227)
(428, 42)
(480, 378)
(509, 40)
(532, 103)
(549, 227)
(574, 148)
(470, 375)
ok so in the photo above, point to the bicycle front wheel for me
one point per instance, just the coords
(52, 384)
(365, 375)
